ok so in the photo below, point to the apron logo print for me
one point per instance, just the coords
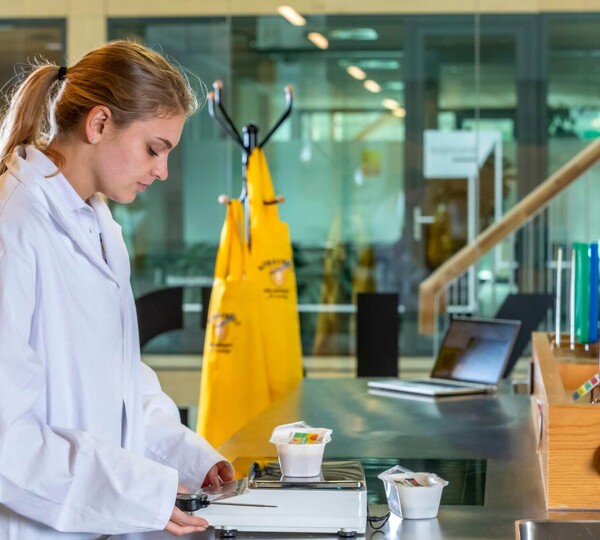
(220, 326)
(220, 332)
(277, 274)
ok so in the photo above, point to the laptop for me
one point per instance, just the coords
(471, 360)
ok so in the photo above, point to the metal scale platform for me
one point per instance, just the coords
(333, 502)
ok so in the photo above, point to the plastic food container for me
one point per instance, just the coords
(413, 495)
(300, 448)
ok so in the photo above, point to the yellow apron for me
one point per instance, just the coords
(234, 385)
(272, 273)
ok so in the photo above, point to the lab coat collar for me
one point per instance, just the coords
(35, 170)
(112, 239)
(70, 198)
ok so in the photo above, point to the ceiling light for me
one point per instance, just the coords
(319, 40)
(400, 112)
(390, 104)
(291, 15)
(356, 72)
(372, 86)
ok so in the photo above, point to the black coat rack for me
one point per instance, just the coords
(248, 141)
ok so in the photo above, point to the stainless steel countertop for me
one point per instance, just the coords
(493, 427)
(497, 428)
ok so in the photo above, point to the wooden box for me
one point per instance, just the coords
(568, 432)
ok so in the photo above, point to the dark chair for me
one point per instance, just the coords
(529, 308)
(158, 312)
(377, 331)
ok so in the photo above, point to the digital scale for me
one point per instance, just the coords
(333, 502)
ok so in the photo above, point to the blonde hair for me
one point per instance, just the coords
(133, 81)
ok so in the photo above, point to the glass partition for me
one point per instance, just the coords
(338, 160)
(371, 204)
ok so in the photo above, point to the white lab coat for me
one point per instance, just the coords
(89, 444)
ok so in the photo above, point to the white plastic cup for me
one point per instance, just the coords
(420, 502)
(300, 460)
(300, 448)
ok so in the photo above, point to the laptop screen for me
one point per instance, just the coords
(476, 350)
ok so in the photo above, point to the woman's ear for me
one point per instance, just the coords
(95, 123)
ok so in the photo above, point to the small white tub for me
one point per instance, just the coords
(413, 495)
(300, 448)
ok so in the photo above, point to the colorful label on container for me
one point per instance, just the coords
(305, 438)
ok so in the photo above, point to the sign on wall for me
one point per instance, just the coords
(456, 154)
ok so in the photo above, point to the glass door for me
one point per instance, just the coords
(474, 142)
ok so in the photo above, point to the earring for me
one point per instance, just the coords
(93, 141)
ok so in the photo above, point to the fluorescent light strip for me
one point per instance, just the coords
(291, 15)
(356, 72)
(319, 40)
(400, 112)
(372, 86)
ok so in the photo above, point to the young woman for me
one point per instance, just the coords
(89, 445)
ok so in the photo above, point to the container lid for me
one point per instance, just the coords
(414, 479)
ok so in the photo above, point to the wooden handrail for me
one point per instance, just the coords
(517, 216)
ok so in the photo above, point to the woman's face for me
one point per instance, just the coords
(129, 159)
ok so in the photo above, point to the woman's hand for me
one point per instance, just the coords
(218, 473)
(182, 523)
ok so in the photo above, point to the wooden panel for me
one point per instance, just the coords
(548, 382)
(573, 375)
(569, 445)
(572, 445)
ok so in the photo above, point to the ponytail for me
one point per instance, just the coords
(26, 120)
(133, 81)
